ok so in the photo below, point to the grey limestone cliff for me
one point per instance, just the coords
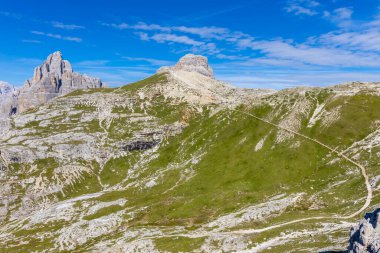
(55, 77)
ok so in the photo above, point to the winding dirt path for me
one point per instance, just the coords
(362, 169)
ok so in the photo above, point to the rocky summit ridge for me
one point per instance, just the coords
(192, 79)
(192, 63)
(53, 78)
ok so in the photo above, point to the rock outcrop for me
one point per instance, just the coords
(365, 238)
(5, 88)
(53, 78)
(191, 63)
(192, 80)
(7, 99)
(194, 63)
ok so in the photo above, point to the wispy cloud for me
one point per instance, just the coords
(30, 61)
(313, 55)
(341, 16)
(302, 7)
(200, 47)
(173, 38)
(288, 79)
(139, 26)
(155, 62)
(66, 26)
(205, 32)
(352, 45)
(10, 15)
(57, 36)
(92, 63)
(32, 41)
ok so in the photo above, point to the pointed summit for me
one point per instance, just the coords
(192, 63)
(54, 65)
(53, 78)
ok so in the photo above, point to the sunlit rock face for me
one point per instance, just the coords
(53, 78)
(7, 99)
(191, 63)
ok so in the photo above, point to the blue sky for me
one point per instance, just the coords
(256, 43)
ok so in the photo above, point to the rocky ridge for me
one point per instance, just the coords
(193, 81)
(192, 63)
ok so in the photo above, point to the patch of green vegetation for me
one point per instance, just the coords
(178, 244)
(354, 123)
(32, 124)
(115, 170)
(103, 212)
(158, 78)
(93, 126)
(83, 107)
(49, 226)
(39, 238)
(89, 91)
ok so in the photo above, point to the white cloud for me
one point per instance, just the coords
(139, 26)
(155, 62)
(341, 16)
(30, 61)
(92, 63)
(302, 7)
(230, 57)
(365, 40)
(57, 36)
(31, 41)
(66, 26)
(172, 38)
(353, 45)
(206, 32)
(312, 55)
(10, 15)
(143, 36)
(288, 79)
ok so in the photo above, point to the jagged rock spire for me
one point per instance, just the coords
(53, 78)
(53, 65)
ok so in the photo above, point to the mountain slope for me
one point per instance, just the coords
(140, 169)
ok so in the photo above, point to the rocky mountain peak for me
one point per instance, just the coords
(54, 65)
(52, 78)
(192, 63)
